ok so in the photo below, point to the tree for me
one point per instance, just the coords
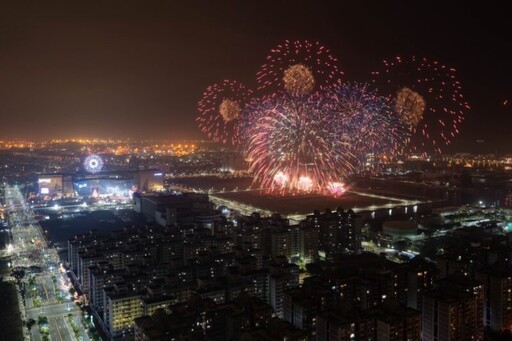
(30, 323)
(41, 319)
(18, 274)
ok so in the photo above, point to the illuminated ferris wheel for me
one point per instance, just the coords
(93, 163)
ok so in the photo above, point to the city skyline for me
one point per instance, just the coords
(133, 70)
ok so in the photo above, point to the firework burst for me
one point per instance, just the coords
(220, 110)
(292, 144)
(305, 184)
(297, 67)
(298, 79)
(432, 86)
(410, 105)
(336, 189)
(373, 128)
(308, 131)
(229, 110)
(280, 179)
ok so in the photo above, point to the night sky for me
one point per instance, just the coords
(137, 68)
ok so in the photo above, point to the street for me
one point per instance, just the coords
(45, 282)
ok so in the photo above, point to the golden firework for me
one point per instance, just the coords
(411, 105)
(298, 79)
(229, 110)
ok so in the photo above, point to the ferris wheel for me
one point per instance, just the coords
(93, 163)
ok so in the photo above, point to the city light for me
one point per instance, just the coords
(262, 171)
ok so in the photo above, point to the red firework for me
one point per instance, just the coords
(298, 67)
(220, 109)
(293, 144)
(439, 92)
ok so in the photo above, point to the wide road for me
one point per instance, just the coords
(29, 248)
(52, 310)
(58, 331)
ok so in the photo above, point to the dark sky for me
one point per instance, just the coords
(137, 68)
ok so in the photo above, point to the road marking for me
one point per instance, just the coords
(57, 327)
